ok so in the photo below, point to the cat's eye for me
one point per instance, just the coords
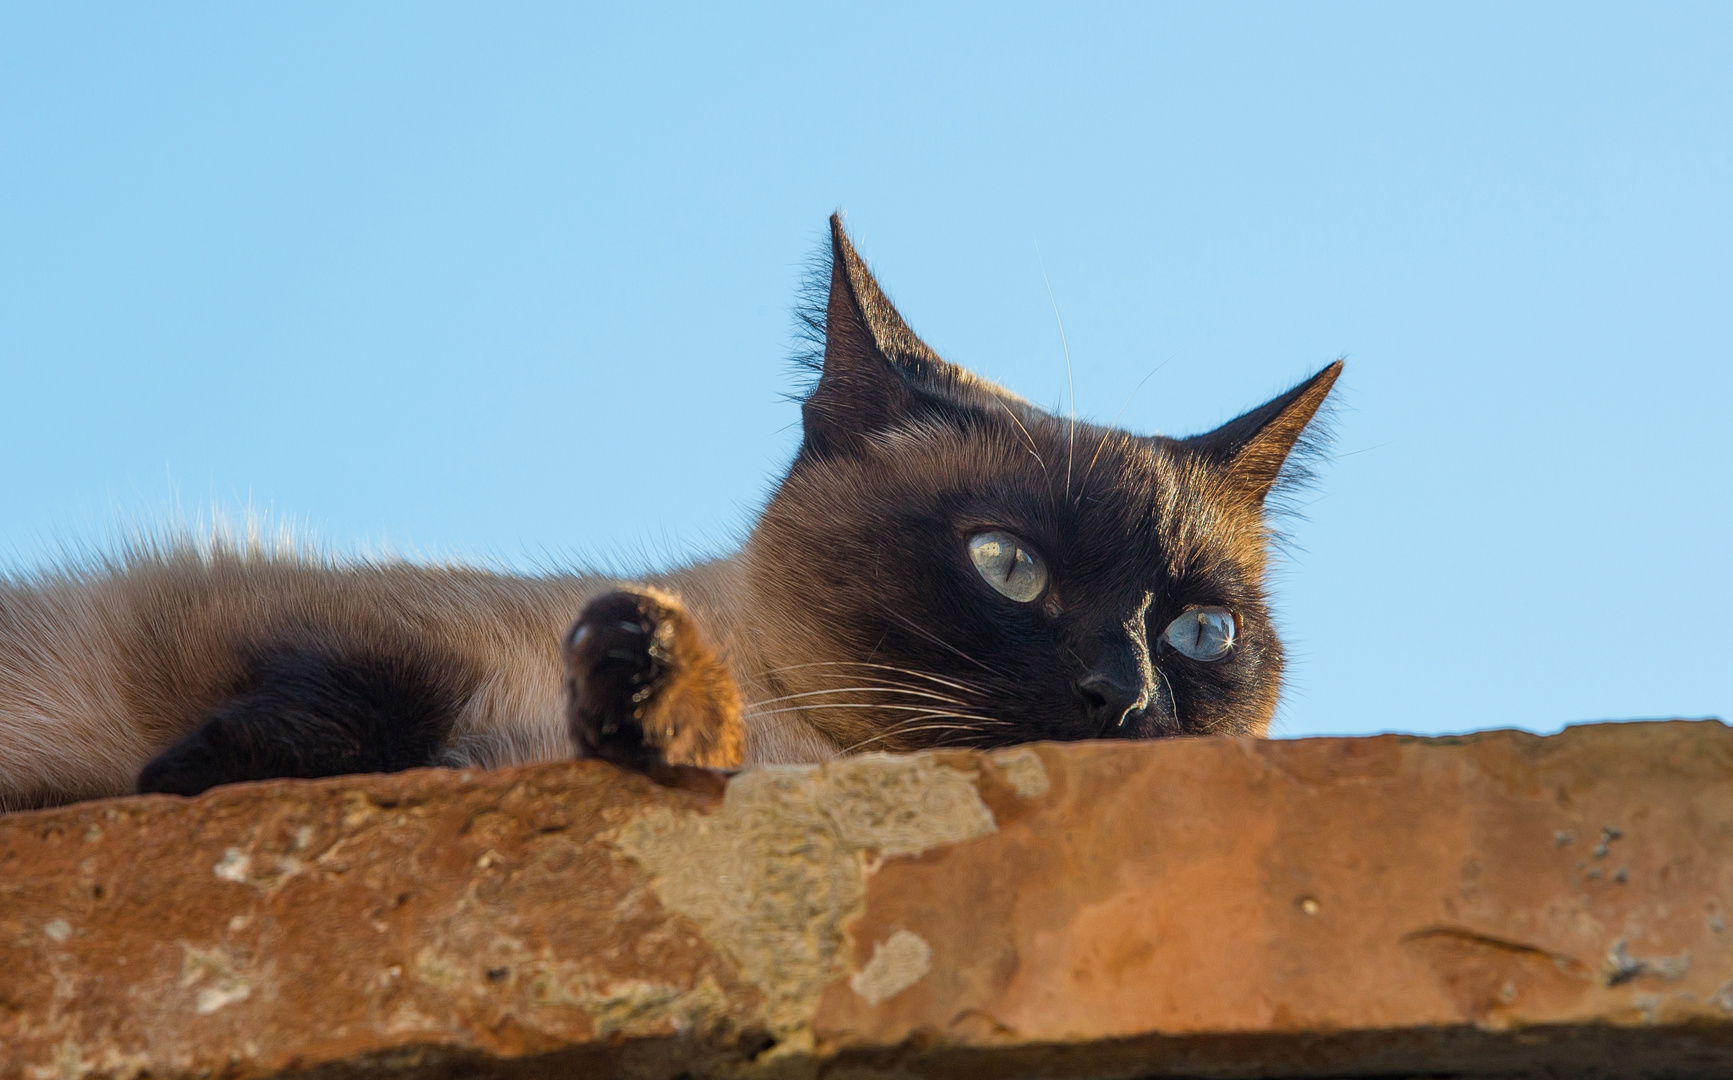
(1205, 633)
(1008, 565)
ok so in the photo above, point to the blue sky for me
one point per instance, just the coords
(511, 283)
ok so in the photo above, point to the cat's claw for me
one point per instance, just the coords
(646, 692)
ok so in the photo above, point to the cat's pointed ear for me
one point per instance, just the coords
(1255, 446)
(876, 373)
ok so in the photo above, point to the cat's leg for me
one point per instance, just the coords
(308, 714)
(646, 691)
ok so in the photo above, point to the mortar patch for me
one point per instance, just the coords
(773, 874)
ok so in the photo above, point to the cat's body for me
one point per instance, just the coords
(944, 564)
(103, 669)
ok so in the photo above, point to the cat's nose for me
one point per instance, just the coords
(1107, 700)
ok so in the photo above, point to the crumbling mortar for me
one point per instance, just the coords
(775, 875)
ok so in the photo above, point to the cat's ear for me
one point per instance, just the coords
(876, 373)
(1255, 446)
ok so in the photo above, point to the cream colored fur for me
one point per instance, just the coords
(103, 667)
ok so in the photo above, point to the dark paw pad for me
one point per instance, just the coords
(645, 690)
(616, 657)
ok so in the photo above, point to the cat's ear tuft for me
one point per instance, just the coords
(1258, 448)
(874, 373)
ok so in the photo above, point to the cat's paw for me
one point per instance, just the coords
(645, 691)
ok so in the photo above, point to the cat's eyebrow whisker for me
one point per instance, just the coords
(1114, 423)
(1071, 434)
(1032, 451)
(1083, 483)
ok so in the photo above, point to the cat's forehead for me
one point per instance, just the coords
(1106, 495)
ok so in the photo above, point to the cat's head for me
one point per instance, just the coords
(946, 564)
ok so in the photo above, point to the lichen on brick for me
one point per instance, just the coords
(212, 973)
(1023, 770)
(898, 962)
(774, 874)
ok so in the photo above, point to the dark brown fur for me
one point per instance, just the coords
(905, 456)
(852, 619)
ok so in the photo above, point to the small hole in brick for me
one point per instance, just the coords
(755, 1043)
(1309, 905)
(497, 974)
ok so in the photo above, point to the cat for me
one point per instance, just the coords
(944, 564)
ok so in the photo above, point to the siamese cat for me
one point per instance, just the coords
(944, 564)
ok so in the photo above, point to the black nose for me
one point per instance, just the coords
(1107, 700)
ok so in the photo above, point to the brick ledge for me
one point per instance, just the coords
(1486, 905)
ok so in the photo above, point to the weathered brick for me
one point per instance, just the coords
(1488, 905)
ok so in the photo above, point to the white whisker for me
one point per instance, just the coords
(859, 705)
(964, 687)
(1161, 677)
(945, 698)
(945, 644)
(917, 723)
(1081, 484)
(1032, 450)
(912, 726)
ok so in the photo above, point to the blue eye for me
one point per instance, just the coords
(1205, 633)
(1008, 565)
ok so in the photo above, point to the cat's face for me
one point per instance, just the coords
(951, 566)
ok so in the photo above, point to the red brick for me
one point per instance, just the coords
(1479, 906)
